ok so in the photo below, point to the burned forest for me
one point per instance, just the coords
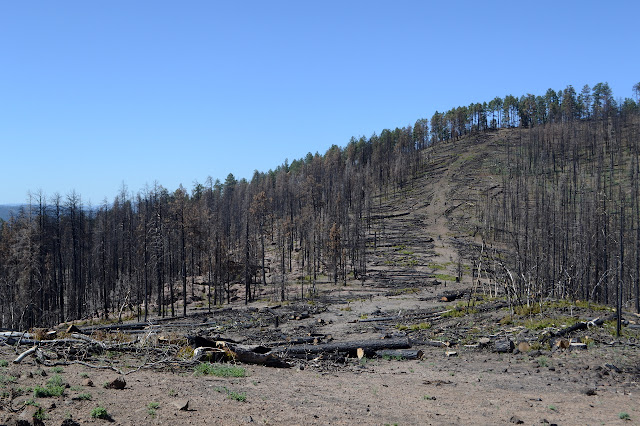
(488, 250)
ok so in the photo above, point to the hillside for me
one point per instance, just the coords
(482, 358)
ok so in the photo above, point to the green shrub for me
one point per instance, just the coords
(4, 363)
(49, 391)
(55, 387)
(40, 414)
(55, 380)
(543, 361)
(100, 413)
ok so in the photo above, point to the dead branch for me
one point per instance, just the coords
(24, 354)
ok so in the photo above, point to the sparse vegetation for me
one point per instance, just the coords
(219, 370)
(236, 396)
(54, 387)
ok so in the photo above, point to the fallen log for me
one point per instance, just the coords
(297, 341)
(20, 334)
(251, 355)
(378, 319)
(583, 325)
(350, 348)
(400, 353)
(197, 341)
(56, 342)
(89, 340)
(450, 296)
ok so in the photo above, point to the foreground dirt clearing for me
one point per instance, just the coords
(472, 388)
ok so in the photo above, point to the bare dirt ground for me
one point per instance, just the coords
(424, 234)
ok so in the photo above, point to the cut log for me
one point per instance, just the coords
(348, 347)
(400, 353)
(207, 354)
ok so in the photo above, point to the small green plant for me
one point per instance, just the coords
(173, 392)
(84, 397)
(152, 407)
(40, 414)
(57, 369)
(219, 370)
(31, 402)
(84, 375)
(624, 416)
(542, 361)
(238, 396)
(4, 363)
(7, 379)
(421, 326)
(553, 408)
(100, 413)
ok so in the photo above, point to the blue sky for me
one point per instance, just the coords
(97, 94)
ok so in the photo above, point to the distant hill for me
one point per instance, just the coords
(7, 209)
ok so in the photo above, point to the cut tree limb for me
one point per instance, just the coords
(25, 354)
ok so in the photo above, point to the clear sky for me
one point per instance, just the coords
(94, 94)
